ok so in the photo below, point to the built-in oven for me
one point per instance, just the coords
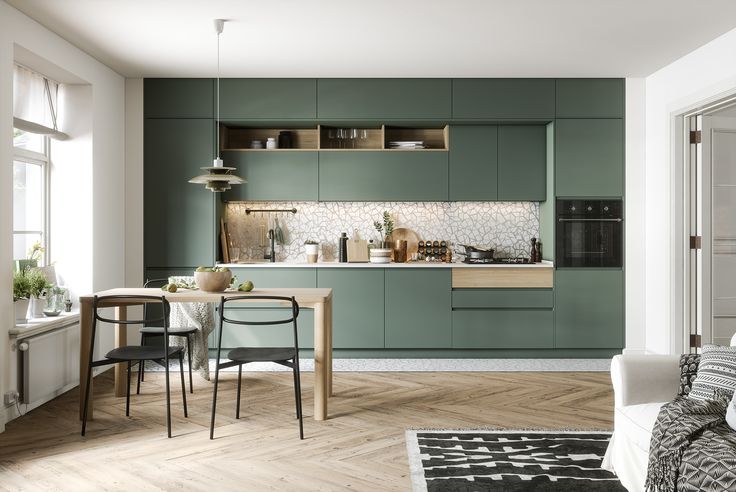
(590, 233)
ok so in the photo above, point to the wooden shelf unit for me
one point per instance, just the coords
(433, 138)
(241, 138)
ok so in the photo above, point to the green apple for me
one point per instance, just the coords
(201, 269)
(172, 288)
(246, 286)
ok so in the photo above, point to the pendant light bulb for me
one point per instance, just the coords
(219, 25)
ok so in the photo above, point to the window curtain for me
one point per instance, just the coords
(33, 105)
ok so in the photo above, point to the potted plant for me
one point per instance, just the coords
(38, 285)
(31, 261)
(385, 229)
(311, 247)
(21, 296)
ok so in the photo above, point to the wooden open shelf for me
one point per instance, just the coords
(241, 138)
(433, 138)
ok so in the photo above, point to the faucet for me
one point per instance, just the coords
(271, 256)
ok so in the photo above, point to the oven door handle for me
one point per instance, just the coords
(590, 220)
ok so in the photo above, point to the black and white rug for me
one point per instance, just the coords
(479, 460)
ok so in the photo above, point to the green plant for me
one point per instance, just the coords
(386, 228)
(36, 252)
(311, 241)
(21, 286)
(38, 282)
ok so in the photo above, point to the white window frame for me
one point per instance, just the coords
(43, 160)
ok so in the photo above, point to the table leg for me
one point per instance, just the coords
(329, 348)
(85, 335)
(121, 340)
(320, 354)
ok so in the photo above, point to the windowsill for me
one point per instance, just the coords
(37, 326)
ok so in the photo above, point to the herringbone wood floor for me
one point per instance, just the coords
(360, 448)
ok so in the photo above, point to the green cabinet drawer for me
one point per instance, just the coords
(274, 277)
(502, 298)
(590, 98)
(418, 308)
(273, 175)
(473, 162)
(380, 99)
(589, 308)
(589, 158)
(251, 99)
(235, 335)
(503, 98)
(357, 305)
(383, 176)
(179, 225)
(522, 163)
(502, 329)
(178, 98)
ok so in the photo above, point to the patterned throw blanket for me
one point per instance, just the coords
(692, 447)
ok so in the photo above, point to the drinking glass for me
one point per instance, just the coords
(353, 134)
(331, 138)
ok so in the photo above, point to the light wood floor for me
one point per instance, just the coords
(360, 448)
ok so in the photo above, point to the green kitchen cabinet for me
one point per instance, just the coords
(408, 175)
(590, 98)
(500, 99)
(522, 163)
(273, 277)
(178, 98)
(382, 99)
(357, 305)
(270, 99)
(502, 328)
(502, 298)
(179, 225)
(589, 308)
(473, 162)
(589, 157)
(273, 175)
(418, 308)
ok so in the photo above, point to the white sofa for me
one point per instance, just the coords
(641, 385)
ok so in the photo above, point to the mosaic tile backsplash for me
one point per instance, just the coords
(505, 226)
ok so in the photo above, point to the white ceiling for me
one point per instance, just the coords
(386, 38)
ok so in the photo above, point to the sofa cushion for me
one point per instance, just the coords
(688, 370)
(716, 373)
(637, 422)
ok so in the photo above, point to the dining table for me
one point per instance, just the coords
(318, 299)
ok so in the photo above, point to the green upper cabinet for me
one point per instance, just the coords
(179, 225)
(499, 99)
(381, 99)
(590, 98)
(589, 308)
(178, 98)
(473, 163)
(357, 305)
(410, 176)
(418, 308)
(589, 157)
(273, 175)
(522, 163)
(274, 99)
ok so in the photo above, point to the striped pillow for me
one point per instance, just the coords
(716, 373)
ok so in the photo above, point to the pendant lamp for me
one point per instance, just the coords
(218, 177)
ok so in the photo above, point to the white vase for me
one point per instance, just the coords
(35, 310)
(21, 310)
(312, 251)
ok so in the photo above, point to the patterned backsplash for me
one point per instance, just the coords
(505, 226)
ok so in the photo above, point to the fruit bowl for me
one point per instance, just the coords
(213, 281)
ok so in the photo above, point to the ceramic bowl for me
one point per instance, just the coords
(212, 281)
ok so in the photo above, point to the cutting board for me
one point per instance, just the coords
(411, 238)
(357, 251)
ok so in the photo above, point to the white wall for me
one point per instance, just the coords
(706, 74)
(105, 198)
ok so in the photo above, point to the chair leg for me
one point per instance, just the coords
(140, 375)
(168, 396)
(296, 394)
(86, 400)
(127, 394)
(183, 386)
(142, 367)
(237, 400)
(189, 358)
(299, 399)
(214, 400)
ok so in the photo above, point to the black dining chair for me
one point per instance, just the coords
(285, 356)
(134, 353)
(149, 334)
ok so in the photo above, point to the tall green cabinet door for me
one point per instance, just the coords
(503, 99)
(590, 98)
(357, 306)
(589, 308)
(178, 98)
(473, 162)
(253, 99)
(273, 175)
(391, 175)
(418, 308)
(589, 157)
(384, 99)
(179, 224)
(522, 163)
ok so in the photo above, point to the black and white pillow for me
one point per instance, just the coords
(716, 373)
(688, 370)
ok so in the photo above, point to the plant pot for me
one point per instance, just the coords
(380, 255)
(312, 251)
(36, 308)
(21, 310)
(213, 281)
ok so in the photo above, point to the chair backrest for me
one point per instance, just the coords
(147, 308)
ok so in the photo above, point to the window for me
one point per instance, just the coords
(30, 192)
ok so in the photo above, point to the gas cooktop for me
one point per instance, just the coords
(519, 260)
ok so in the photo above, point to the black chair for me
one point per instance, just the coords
(134, 353)
(286, 356)
(151, 332)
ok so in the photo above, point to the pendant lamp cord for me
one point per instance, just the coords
(217, 122)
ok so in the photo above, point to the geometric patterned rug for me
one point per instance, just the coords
(509, 460)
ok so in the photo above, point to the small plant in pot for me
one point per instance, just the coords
(311, 248)
(385, 229)
(38, 285)
(21, 296)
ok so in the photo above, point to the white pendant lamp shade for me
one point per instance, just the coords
(218, 177)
